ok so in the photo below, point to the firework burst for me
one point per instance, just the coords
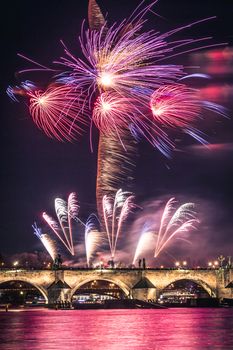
(115, 211)
(146, 241)
(112, 113)
(174, 222)
(47, 241)
(181, 107)
(121, 83)
(66, 213)
(93, 237)
(184, 219)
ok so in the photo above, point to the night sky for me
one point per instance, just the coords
(36, 169)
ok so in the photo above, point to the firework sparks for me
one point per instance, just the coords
(95, 17)
(66, 212)
(178, 106)
(173, 223)
(46, 240)
(114, 166)
(118, 59)
(115, 211)
(57, 112)
(146, 241)
(93, 238)
(184, 219)
(112, 113)
(122, 86)
(118, 80)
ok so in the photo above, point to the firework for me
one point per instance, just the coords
(47, 241)
(122, 86)
(115, 212)
(95, 17)
(117, 59)
(173, 223)
(184, 219)
(93, 238)
(116, 82)
(146, 241)
(112, 113)
(178, 106)
(57, 111)
(66, 212)
(115, 166)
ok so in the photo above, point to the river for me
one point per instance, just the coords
(177, 328)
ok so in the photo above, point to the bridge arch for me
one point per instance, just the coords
(41, 289)
(199, 282)
(118, 283)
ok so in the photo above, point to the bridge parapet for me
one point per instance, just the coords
(213, 281)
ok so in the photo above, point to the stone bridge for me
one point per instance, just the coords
(135, 283)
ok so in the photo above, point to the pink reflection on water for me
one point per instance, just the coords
(117, 329)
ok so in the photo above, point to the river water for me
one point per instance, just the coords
(117, 329)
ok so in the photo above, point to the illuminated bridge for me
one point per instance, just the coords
(120, 283)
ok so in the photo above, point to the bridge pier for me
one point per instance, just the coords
(144, 290)
(224, 277)
(59, 290)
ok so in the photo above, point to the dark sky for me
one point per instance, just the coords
(36, 169)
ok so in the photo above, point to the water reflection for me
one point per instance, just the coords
(117, 329)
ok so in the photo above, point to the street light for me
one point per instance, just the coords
(177, 263)
(15, 263)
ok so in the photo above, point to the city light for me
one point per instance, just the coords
(213, 264)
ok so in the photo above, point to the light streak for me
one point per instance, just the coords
(145, 242)
(184, 219)
(47, 241)
(66, 212)
(93, 238)
(115, 212)
(57, 111)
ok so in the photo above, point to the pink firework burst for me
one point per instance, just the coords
(176, 105)
(179, 106)
(120, 62)
(57, 111)
(112, 113)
